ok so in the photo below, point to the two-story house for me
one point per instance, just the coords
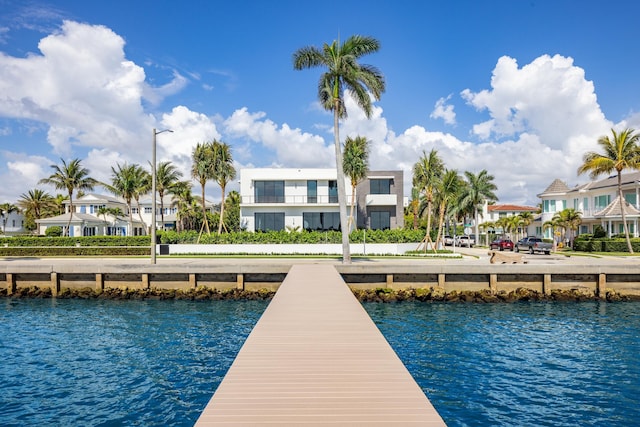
(598, 203)
(307, 199)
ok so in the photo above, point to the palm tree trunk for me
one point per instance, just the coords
(353, 203)
(140, 214)
(476, 227)
(440, 223)
(220, 225)
(67, 232)
(161, 193)
(346, 251)
(624, 217)
(130, 218)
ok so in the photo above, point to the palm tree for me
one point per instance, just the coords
(514, 224)
(167, 175)
(70, 177)
(232, 209)
(202, 169)
(447, 190)
(355, 164)
(553, 224)
(58, 201)
(480, 189)
(427, 172)
(569, 219)
(414, 204)
(343, 72)
(185, 204)
(223, 173)
(7, 209)
(35, 203)
(526, 218)
(142, 186)
(620, 152)
(124, 182)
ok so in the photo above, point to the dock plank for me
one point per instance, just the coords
(315, 357)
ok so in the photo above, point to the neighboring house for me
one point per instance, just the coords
(597, 201)
(277, 199)
(12, 223)
(492, 213)
(87, 222)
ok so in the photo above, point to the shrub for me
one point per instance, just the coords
(53, 231)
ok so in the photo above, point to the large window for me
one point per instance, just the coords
(269, 191)
(601, 202)
(630, 198)
(333, 191)
(312, 191)
(380, 220)
(266, 221)
(321, 221)
(380, 186)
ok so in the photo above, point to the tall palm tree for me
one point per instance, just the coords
(343, 72)
(124, 181)
(355, 164)
(202, 169)
(35, 203)
(70, 177)
(447, 190)
(569, 219)
(621, 152)
(427, 172)
(167, 175)
(223, 173)
(480, 189)
(7, 209)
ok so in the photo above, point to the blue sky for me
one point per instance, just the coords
(520, 88)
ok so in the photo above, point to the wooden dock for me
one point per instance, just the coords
(315, 357)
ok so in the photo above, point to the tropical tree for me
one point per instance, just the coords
(232, 211)
(223, 173)
(552, 224)
(355, 164)
(514, 224)
(343, 73)
(124, 182)
(526, 218)
(58, 201)
(620, 152)
(203, 169)
(142, 186)
(7, 209)
(70, 176)
(427, 172)
(447, 190)
(569, 219)
(167, 175)
(114, 212)
(186, 205)
(504, 224)
(480, 189)
(35, 204)
(414, 204)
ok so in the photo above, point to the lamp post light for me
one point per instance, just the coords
(153, 194)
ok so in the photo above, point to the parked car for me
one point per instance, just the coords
(448, 241)
(533, 245)
(502, 245)
(467, 241)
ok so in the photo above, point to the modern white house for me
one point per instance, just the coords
(89, 219)
(307, 199)
(11, 223)
(492, 213)
(597, 201)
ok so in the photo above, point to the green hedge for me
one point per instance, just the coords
(285, 237)
(587, 243)
(75, 241)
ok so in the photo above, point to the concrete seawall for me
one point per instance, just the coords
(543, 278)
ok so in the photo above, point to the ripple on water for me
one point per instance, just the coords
(542, 364)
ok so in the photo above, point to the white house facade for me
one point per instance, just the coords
(91, 219)
(598, 203)
(307, 199)
(11, 223)
(493, 213)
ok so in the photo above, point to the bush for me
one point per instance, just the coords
(53, 231)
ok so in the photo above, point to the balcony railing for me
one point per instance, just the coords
(382, 199)
(291, 200)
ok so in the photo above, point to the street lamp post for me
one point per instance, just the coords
(153, 194)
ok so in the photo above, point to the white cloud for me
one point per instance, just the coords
(291, 147)
(22, 173)
(444, 111)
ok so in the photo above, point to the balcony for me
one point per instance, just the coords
(290, 200)
(382, 199)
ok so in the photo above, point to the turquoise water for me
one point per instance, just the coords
(525, 364)
(157, 363)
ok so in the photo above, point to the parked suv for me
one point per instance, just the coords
(502, 244)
